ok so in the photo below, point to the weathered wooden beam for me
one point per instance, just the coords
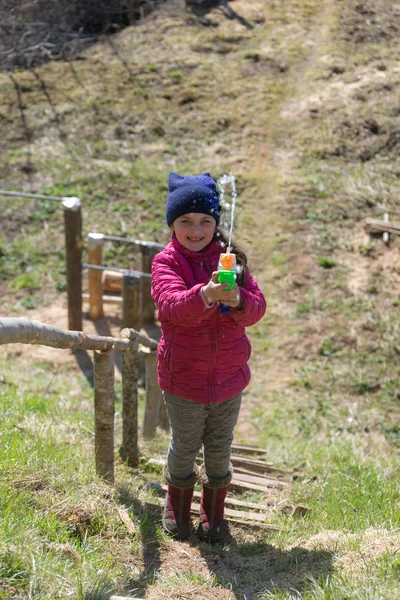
(129, 451)
(111, 281)
(104, 414)
(132, 334)
(132, 300)
(378, 225)
(297, 510)
(106, 299)
(246, 449)
(253, 479)
(13, 330)
(73, 255)
(241, 485)
(260, 473)
(255, 465)
(268, 506)
(95, 257)
(229, 514)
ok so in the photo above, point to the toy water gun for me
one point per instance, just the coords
(227, 274)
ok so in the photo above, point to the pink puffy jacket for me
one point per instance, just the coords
(203, 353)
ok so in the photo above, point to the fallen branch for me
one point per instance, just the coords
(127, 521)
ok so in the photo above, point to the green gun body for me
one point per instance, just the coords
(227, 277)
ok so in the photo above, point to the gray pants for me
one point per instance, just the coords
(194, 425)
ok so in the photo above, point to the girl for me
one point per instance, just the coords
(203, 352)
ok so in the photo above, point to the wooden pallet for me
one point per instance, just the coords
(250, 474)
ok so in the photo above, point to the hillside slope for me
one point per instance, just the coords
(299, 100)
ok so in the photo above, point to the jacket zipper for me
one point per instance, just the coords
(213, 358)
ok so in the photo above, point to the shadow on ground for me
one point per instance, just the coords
(254, 568)
(246, 570)
(201, 10)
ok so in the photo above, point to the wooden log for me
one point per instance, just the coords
(153, 397)
(73, 252)
(377, 225)
(131, 305)
(104, 414)
(132, 334)
(129, 451)
(23, 331)
(106, 299)
(147, 255)
(111, 281)
(95, 257)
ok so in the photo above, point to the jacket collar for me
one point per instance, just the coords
(212, 249)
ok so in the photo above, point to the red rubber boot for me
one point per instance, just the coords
(176, 517)
(211, 513)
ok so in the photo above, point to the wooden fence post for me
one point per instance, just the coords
(95, 257)
(131, 301)
(130, 371)
(148, 306)
(73, 251)
(153, 396)
(104, 413)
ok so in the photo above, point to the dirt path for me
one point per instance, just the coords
(278, 158)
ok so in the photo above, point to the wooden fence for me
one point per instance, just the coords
(19, 330)
(134, 286)
(137, 304)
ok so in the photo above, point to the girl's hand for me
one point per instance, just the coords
(217, 292)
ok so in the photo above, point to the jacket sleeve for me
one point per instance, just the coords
(254, 304)
(176, 303)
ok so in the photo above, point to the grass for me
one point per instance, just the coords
(296, 107)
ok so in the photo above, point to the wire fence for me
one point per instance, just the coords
(32, 33)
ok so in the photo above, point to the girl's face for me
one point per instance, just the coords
(194, 230)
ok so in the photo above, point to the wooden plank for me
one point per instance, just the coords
(293, 510)
(245, 448)
(242, 471)
(235, 502)
(257, 466)
(258, 480)
(255, 525)
(244, 485)
(229, 513)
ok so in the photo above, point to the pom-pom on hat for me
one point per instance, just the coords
(192, 194)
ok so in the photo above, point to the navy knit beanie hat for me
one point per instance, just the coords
(192, 194)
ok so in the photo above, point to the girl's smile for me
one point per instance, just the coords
(194, 230)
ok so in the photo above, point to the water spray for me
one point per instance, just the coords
(227, 261)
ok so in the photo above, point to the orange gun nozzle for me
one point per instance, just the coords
(227, 261)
